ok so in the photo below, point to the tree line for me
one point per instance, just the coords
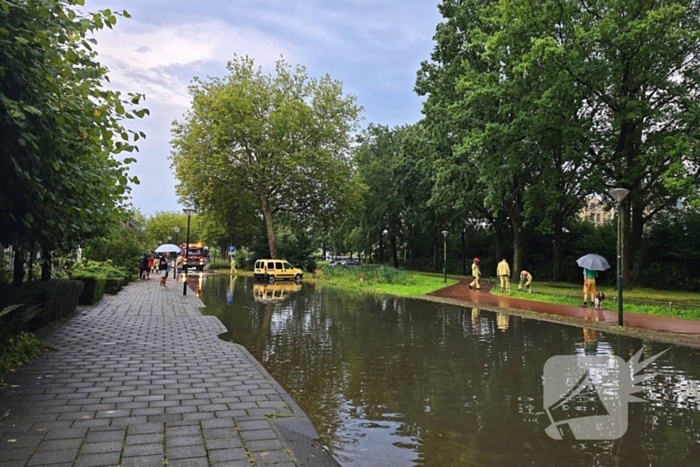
(529, 109)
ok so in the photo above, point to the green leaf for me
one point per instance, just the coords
(28, 217)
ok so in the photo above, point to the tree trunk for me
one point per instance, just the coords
(270, 225)
(557, 250)
(2, 263)
(45, 265)
(435, 253)
(625, 240)
(411, 254)
(30, 266)
(18, 267)
(381, 248)
(518, 245)
(637, 239)
(498, 233)
(394, 256)
(464, 252)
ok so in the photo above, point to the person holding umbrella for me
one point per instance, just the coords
(591, 264)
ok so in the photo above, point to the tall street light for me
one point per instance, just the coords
(189, 212)
(170, 238)
(444, 254)
(176, 230)
(619, 194)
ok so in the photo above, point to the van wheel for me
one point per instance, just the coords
(271, 279)
(297, 278)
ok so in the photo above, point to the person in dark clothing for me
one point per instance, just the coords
(145, 271)
(163, 269)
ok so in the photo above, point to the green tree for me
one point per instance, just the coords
(60, 182)
(161, 225)
(637, 64)
(275, 143)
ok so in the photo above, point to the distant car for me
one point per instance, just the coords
(350, 262)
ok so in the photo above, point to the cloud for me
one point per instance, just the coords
(373, 46)
(160, 62)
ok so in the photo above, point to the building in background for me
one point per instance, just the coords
(597, 211)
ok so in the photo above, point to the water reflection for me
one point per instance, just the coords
(398, 382)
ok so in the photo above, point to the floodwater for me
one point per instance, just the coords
(401, 382)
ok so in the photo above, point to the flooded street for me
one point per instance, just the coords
(397, 382)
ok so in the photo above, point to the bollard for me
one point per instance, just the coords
(670, 307)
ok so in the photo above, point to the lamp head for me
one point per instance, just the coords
(444, 233)
(619, 194)
(188, 211)
(176, 229)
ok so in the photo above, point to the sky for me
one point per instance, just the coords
(374, 47)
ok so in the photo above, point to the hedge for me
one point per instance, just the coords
(94, 286)
(113, 285)
(35, 304)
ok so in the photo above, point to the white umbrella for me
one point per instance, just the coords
(168, 248)
(593, 262)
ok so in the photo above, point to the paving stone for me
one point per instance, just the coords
(134, 374)
(229, 454)
(97, 460)
(142, 449)
(53, 457)
(186, 452)
(271, 457)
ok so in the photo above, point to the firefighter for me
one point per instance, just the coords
(525, 280)
(503, 273)
(476, 272)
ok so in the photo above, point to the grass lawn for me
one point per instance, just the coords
(387, 280)
(638, 293)
(677, 312)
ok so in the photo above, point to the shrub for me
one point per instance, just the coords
(94, 286)
(310, 265)
(19, 349)
(113, 285)
(35, 304)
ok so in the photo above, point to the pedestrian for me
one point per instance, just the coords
(163, 269)
(589, 278)
(233, 271)
(525, 280)
(150, 264)
(143, 267)
(476, 273)
(503, 273)
(178, 266)
(156, 263)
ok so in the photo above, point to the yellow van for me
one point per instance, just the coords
(271, 270)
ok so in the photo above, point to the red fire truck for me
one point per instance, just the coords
(197, 255)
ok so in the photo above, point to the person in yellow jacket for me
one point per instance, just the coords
(525, 280)
(476, 272)
(503, 273)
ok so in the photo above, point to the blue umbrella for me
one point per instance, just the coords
(593, 262)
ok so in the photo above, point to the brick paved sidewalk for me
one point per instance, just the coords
(141, 379)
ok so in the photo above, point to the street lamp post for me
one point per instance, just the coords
(170, 238)
(444, 254)
(189, 212)
(619, 194)
(176, 230)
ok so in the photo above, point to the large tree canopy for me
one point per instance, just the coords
(267, 144)
(60, 182)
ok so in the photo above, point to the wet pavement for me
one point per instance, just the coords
(141, 379)
(462, 292)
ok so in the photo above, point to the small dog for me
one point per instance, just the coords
(598, 301)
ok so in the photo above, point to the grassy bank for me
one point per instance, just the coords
(631, 307)
(21, 349)
(381, 279)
